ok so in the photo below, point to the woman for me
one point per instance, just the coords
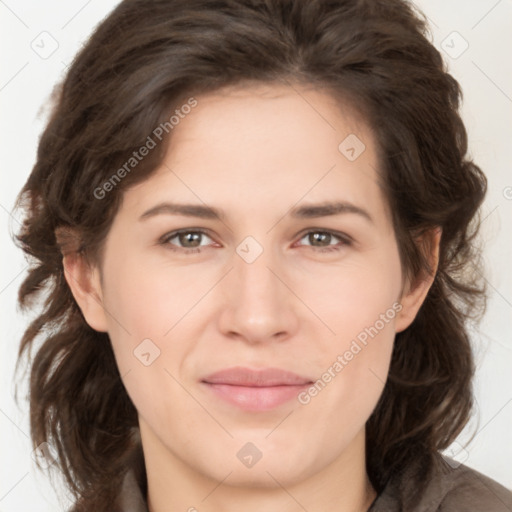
(254, 220)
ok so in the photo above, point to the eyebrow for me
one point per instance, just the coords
(310, 211)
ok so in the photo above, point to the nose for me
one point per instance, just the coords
(258, 304)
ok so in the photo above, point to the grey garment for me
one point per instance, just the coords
(452, 488)
(131, 498)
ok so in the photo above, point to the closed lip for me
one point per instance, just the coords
(261, 377)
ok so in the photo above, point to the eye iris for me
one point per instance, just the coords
(195, 238)
(319, 237)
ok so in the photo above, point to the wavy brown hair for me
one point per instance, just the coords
(140, 64)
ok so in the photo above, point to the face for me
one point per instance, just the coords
(296, 304)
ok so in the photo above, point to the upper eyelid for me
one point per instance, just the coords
(172, 234)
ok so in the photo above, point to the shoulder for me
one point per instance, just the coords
(467, 489)
(452, 487)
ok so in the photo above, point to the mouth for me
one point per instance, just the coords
(255, 390)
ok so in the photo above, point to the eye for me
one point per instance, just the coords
(320, 240)
(186, 240)
(189, 240)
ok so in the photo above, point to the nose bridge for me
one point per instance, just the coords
(258, 305)
(257, 285)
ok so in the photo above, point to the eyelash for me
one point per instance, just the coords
(345, 240)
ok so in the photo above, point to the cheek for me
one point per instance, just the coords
(149, 300)
(349, 385)
(354, 296)
(148, 307)
(360, 305)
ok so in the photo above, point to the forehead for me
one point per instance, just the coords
(265, 145)
(262, 118)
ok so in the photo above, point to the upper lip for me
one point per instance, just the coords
(263, 377)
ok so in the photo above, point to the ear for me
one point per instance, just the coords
(415, 292)
(85, 284)
(83, 279)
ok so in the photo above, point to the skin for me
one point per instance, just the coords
(254, 152)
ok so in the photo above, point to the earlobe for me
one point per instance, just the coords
(415, 293)
(84, 282)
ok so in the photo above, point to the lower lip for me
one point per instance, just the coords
(256, 398)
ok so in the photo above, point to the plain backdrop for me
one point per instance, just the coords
(38, 40)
